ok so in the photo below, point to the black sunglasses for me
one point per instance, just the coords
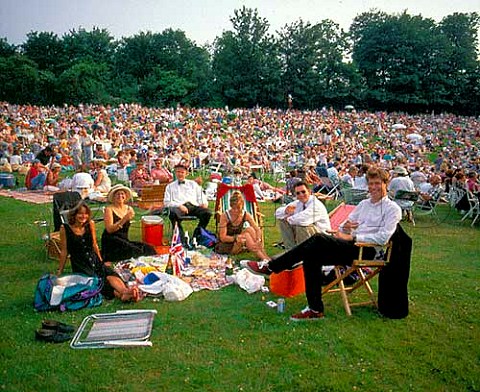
(300, 192)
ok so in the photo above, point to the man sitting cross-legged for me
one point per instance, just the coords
(302, 218)
(374, 220)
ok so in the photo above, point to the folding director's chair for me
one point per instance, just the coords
(365, 270)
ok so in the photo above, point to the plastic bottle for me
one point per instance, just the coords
(281, 305)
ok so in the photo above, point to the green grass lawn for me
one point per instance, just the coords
(229, 340)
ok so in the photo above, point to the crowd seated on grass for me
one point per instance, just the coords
(277, 141)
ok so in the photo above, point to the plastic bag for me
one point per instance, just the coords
(171, 287)
(176, 290)
(251, 283)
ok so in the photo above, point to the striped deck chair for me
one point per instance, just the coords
(125, 328)
(222, 203)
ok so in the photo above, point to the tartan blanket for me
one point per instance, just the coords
(36, 197)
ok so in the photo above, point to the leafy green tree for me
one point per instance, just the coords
(164, 89)
(462, 59)
(245, 62)
(175, 53)
(6, 50)
(46, 50)
(313, 66)
(84, 82)
(135, 56)
(397, 55)
(145, 55)
(97, 45)
(410, 63)
(19, 80)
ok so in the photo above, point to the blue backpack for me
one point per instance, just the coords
(204, 237)
(69, 292)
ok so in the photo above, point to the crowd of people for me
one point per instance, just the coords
(302, 150)
(269, 140)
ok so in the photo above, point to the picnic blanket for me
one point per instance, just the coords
(206, 271)
(37, 197)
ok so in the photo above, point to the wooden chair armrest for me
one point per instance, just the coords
(368, 263)
(367, 244)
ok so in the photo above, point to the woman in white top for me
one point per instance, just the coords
(103, 183)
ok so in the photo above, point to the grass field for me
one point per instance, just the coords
(229, 340)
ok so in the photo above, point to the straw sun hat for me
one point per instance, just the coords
(115, 189)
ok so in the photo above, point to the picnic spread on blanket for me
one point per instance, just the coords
(173, 276)
(199, 270)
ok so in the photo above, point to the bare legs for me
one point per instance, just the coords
(249, 240)
(121, 291)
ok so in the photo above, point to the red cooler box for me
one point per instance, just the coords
(152, 230)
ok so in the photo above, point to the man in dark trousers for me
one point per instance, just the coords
(185, 198)
(374, 220)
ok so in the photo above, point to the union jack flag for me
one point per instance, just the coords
(177, 252)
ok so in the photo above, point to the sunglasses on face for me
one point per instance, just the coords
(300, 192)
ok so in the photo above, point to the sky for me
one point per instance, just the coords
(201, 20)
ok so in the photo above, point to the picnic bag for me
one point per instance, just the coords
(69, 292)
(204, 237)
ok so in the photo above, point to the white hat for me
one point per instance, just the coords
(400, 170)
(115, 189)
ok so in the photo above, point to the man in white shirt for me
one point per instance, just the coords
(302, 218)
(401, 182)
(374, 220)
(185, 198)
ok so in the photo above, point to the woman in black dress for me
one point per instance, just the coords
(79, 240)
(115, 243)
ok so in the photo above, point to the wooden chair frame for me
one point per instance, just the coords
(359, 266)
(152, 197)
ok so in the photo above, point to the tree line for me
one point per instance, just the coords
(383, 62)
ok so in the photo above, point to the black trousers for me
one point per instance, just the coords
(315, 252)
(203, 215)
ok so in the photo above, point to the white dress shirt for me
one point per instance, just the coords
(178, 194)
(377, 221)
(313, 213)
